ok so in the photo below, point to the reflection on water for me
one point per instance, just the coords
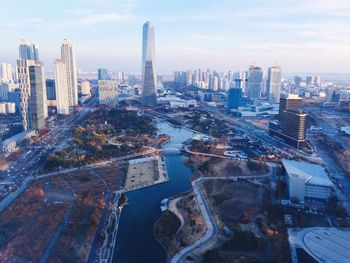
(135, 241)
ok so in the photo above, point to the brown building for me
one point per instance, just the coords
(291, 126)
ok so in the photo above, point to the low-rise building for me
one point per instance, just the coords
(306, 180)
(11, 143)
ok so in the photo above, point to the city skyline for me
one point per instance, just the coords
(291, 34)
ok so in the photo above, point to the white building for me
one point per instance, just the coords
(10, 144)
(273, 84)
(108, 92)
(24, 85)
(7, 108)
(6, 73)
(176, 102)
(61, 86)
(306, 180)
(68, 57)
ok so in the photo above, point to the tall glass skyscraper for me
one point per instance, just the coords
(273, 83)
(28, 51)
(149, 72)
(37, 100)
(254, 85)
(103, 74)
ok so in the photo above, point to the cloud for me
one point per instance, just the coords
(97, 18)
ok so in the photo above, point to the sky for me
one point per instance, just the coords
(299, 35)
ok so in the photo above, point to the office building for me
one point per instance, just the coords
(317, 81)
(290, 102)
(254, 84)
(85, 88)
(332, 95)
(273, 84)
(69, 59)
(307, 181)
(50, 89)
(102, 74)
(4, 91)
(108, 92)
(24, 85)
(149, 71)
(308, 80)
(213, 83)
(15, 97)
(291, 126)
(7, 108)
(298, 80)
(28, 51)
(37, 99)
(234, 98)
(294, 127)
(6, 73)
(61, 87)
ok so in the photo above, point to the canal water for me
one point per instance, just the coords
(135, 240)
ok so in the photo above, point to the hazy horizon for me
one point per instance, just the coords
(312, 36)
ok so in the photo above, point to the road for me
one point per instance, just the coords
(212, 228)
(57, 233)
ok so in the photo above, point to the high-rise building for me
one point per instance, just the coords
(102, 74)
(290, 102)
(149, 70)
(6, 73)
(61, 87)
(254, 85)
(24, 85)
(273, 84)
(291, 126)
(15, 97)
(28, 51)
(239, 83)
(317, 81)
(85, 88)
(108, 92)
(234, 98)
(4, 92)
(37, 99)
(333, 94)
(308, 80)
(69, 59)
(50, 89)
(297, 80)
(189, 78)
(213, 83)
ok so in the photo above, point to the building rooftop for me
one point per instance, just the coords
(330, 245)
(17, 137)
(345, 130)
(312, 173)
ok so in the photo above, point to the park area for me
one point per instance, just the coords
(55, 219)
(220, 167)
(176, 231)
(104, 134)
(251, 231)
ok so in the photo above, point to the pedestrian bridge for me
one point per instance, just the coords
(170, 149)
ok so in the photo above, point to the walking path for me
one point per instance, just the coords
(212, 228)
(110, 235)
(57, 233)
